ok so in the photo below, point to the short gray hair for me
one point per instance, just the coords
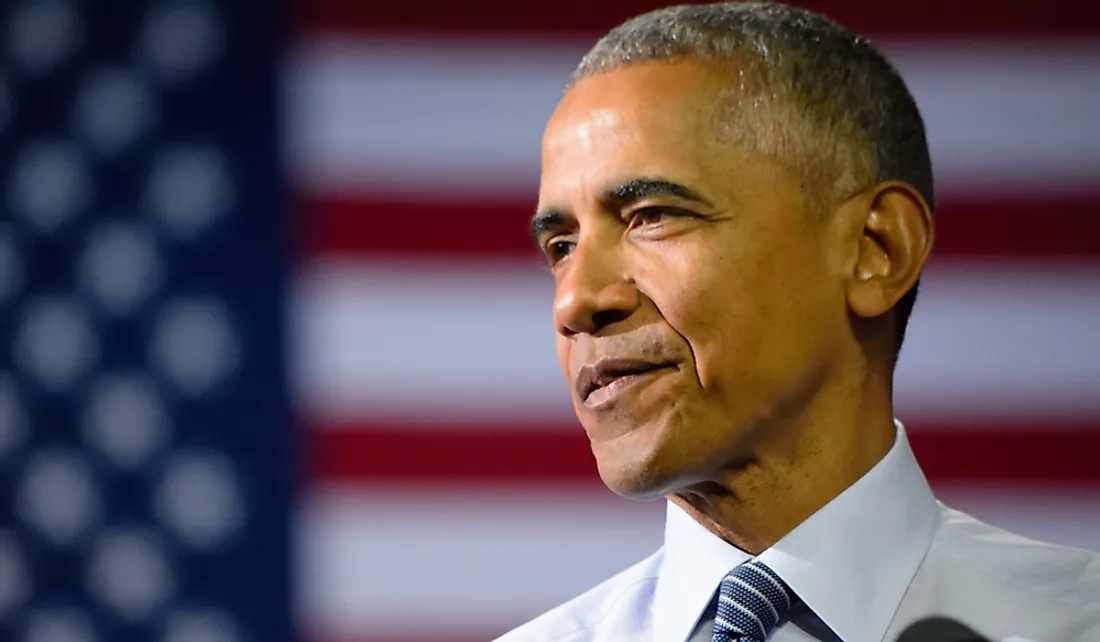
(837, 112)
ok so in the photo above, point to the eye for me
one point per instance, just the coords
(558, 248)
(653, 215)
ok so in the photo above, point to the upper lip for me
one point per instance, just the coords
(606, 369)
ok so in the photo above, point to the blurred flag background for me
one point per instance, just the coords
(145, 443)
(276, 359)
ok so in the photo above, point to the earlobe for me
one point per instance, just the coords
(894, 246)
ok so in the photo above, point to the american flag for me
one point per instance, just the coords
(145, 470)
(452, 491)
(195, 192)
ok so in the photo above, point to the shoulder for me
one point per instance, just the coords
(581, 618)
(1068, 576)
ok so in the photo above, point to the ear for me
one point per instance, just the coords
(894, 246)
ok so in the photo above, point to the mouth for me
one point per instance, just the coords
(601, 381)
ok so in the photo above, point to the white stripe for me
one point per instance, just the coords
(474, 342)
(1009, 341)
(775, 583)
(429, 342)
(370, 558)
(1011, 115)
(760, 595)
(729, 626)
(400, 115)
(763, 629)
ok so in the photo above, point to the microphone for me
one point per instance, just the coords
(940, 629)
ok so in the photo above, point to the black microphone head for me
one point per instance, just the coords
(940, 629)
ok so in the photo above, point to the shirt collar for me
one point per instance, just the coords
(850, 562)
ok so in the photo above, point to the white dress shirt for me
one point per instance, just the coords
(878, 558)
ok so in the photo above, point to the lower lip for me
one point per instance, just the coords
(606, 395)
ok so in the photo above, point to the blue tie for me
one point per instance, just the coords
(752, 601)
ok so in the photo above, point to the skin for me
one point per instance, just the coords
(772, 320)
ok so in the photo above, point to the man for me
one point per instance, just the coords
(736, 206)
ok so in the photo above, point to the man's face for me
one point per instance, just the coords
(697, 304)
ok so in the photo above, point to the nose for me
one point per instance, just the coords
(594, 291)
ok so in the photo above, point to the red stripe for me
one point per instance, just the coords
(939, 17)
(425, 229)
(531, 453)
(1041, 228)
(556, 454)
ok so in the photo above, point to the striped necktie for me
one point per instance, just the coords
(752, 601)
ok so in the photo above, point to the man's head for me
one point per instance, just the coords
(735, 200)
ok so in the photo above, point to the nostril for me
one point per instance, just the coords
(588, 300)
(604, 318)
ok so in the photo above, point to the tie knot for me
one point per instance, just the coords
(752, 601)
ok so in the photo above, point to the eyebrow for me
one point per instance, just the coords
(645, 187)
(546, 221)
(617, 196)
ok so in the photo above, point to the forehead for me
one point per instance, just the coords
(661, 119)
(661, 106)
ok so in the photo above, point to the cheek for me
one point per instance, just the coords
(698, 295)
(748, 317)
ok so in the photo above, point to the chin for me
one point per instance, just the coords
(639, 484)
(632, 470)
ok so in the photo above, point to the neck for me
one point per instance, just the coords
(799, 469)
